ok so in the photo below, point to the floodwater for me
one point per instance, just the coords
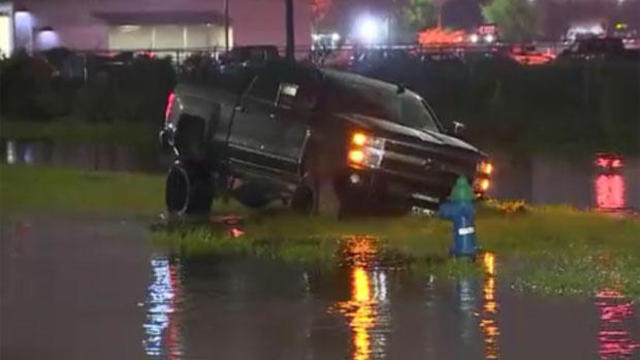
(585, 182)
(606, 182)
(92, 288)
(109, 157)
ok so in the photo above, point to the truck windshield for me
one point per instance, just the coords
(413, 112)
(406, 108)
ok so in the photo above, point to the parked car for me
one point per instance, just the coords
(595, 48)
(243, 56)
(322, 141)
(529, 55)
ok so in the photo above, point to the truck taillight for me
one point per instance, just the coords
(169, 108)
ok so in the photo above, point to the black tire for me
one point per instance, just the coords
(188, 190)
(319, 198)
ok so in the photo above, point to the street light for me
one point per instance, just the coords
(368, 29)
(47, 38)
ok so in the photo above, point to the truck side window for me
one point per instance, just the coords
(286, 95)
(264, 89)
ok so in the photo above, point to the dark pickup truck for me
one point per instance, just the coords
(319, 140)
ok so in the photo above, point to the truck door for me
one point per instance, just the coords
(254, 119)
(270, 125)
(294, 103)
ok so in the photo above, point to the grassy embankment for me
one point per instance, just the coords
(555, 250)
(552, 249)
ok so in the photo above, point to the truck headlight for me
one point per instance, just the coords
(481, 185)
(484, 167)
(365, 151)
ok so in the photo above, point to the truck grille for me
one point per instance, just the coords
(428, 167)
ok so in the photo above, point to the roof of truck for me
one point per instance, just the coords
(358, 80)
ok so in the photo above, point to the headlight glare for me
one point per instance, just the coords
(365, 150)
(485, 167)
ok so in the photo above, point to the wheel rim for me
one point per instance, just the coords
(177, 190)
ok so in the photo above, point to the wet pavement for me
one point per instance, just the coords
(79, 288)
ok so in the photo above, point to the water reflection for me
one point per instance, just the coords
(605, 181)
(610, 192)
(488, 322)
(613, 334)
(367, 309)
(11, 152)
(609, 184)
(161, 328)
(83, 156)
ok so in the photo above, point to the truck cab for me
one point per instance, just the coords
(320, 140)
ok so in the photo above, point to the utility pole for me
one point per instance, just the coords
(226, 25)
(290, 51)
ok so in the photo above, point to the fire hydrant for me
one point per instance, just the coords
(460, 210)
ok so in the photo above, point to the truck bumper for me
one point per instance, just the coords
(386, 190)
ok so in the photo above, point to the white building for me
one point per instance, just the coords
(146, 24)
(6, 29)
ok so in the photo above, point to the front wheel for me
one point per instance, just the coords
(188, 190)
(325, 197)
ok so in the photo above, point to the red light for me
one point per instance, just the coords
(169, 107)
(236, 233)
(602, 162)
(610, 191)
(614, 336)
(609, 161)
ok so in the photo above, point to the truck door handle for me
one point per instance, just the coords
(240, 108)
(272, 116)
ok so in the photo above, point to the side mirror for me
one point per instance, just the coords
(457, 128)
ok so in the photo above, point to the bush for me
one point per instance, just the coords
(29, 88)
(53, 84)
(568, 107)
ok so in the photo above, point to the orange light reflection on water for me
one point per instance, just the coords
(364, 316)
(488, 323)
(367, 291)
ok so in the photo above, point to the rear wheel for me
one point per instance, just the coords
(188, 189)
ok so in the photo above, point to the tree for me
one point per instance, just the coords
(518, 20)
(320, 9)
(416, 15)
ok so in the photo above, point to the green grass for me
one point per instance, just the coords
(556, 249)
(81, 132)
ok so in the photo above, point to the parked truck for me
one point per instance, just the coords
(319, 140)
